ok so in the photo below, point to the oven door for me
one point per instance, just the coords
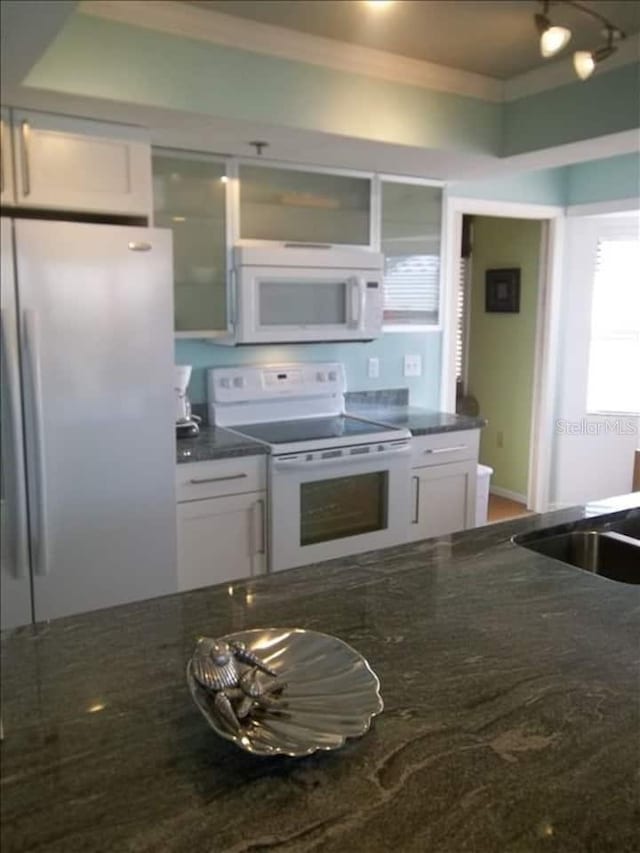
(323, 507)
(287, 304)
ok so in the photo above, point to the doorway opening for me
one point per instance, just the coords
(499, 343)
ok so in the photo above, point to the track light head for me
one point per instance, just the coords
(585, 61)
(552, 39)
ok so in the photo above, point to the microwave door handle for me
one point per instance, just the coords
(363, 298)
(357, 302)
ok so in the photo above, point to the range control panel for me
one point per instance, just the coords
(271, 382)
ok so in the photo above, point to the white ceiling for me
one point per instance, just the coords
(496, 38)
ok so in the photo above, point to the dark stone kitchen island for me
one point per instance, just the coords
(511, 715)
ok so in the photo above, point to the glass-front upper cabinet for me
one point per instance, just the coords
(189, 196)
(292, 206)
(410, 242)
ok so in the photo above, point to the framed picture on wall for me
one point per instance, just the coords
(502, 291)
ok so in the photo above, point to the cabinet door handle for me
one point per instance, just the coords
(416, 514)
(139, 246)
(446, 449)
(307, 245)
(259, 527)
(24, 159)
(199, 481)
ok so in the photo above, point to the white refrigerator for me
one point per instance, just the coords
(88, 446)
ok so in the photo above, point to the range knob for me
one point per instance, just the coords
(225, 382)
(238, 382)
(320, 376)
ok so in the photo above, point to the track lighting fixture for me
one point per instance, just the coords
(585, 61)
(553, 38)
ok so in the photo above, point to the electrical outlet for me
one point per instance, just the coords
(500, 439)
(413, 365)
(373, 368)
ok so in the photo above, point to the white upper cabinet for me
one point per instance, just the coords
(6, 164)
(288, 205)
(411, 226)
(189, 197)
(75, 164)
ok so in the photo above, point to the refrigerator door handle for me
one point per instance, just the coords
(40, 546)
(25, 131)
(10, 359)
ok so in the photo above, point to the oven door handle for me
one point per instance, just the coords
(299, 463)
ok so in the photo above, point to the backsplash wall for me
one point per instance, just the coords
(390, 349)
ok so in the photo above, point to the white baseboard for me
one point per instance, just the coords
(507, 493)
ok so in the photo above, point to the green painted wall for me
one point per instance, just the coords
(608, 102)
(94, 57)
(545, 186)
(390, 349)
(104, 59)
(502, 346)
(604, 180)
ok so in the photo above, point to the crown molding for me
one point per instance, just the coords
(182, 19)
(561, 73)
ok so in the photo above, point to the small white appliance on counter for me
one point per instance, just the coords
(303, 294)
(338, 484)
(186, 423)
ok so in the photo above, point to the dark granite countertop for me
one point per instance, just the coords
(511, 714)
(215, 443)
(419, 421)
(391, 406)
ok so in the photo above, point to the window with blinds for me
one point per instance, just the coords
(411, 289)
(614, 356)
(410, 240)
(461, 330)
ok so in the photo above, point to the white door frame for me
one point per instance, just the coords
(551, 249)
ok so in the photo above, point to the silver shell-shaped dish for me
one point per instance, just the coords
(332, 694)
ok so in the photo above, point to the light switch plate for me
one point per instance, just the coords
(373, 368)
(413, 365)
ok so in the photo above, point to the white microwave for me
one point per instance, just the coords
(302, 294)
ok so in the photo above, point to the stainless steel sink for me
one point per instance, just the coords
(612, 554)
(629, 526)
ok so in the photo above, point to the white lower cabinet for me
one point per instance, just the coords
(221, 539)
(443, 499)
(221, 516)
(443, 480)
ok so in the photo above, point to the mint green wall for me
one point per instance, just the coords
(546, 186)
(502, 347)
(603, 180)
(390, 349)
(99, 58)
(606, 103)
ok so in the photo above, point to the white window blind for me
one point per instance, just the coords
(614, 357)
(411, 289)
(461, 331)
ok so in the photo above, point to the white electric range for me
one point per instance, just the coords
(338, 484)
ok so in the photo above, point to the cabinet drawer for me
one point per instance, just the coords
(444, 447)
(198, 480)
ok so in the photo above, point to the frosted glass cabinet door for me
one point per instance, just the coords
(410, 235)
(286, 205)
(189, 198)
